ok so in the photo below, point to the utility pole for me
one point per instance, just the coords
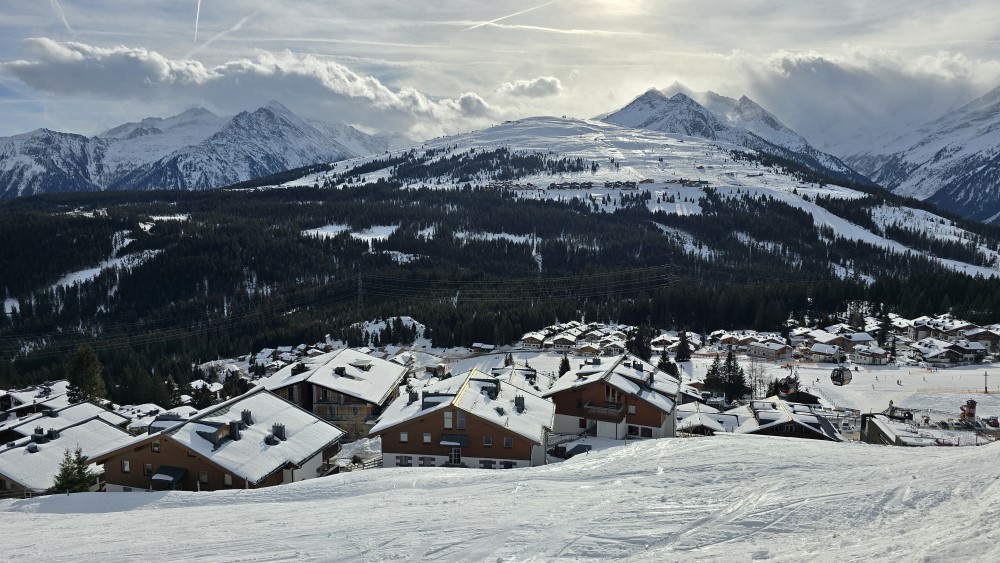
(986, 388)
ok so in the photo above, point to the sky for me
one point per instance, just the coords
(836, 71)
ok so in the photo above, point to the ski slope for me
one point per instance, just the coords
(677, 170)
(727, 498)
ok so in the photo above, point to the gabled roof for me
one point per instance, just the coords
(251, 457)
(364, 377)
(773, 411)
(64, 416)
(37, 470)
(624, 373)
(51, 394)
(480, 395)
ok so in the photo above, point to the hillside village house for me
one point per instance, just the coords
(16, 428)
(252, 441)
(469, 420)
(616, 398)
(28, 465)
(341, 386)
(870, 355)
(34, 399)
(767, 417)
(769, 350)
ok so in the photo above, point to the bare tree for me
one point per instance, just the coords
(756, 377)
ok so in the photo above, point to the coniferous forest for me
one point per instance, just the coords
(194, 276)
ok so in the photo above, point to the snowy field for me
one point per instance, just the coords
(728, 498)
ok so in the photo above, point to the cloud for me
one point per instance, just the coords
(304, 82)
(840, 102)
(541, 87)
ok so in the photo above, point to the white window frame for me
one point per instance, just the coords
(227, 480)
(427, 437)
(487, 441)
(404, 437)
(447, 420)
(126, 466)
(508, 442)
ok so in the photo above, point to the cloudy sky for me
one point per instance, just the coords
(831, 70)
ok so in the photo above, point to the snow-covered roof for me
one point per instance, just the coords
(346, 371)
(869, 351)
(825, 349)
(37, 470)
(698, 420)
(623, 372)
(61, 417)
(53, 394)
(773, 411)
(474, 392)
(768, 345)
(251, 457)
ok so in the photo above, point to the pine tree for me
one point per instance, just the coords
(86, 377)
(713, 378)
(74, 476)
(734, 382)
(564, 365)
(883, 330)
(664, 362)
(683, 353)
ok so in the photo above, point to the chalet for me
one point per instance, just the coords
(14, 429)
(213, 388)
(612, 347)
(891, 431)
(34, 399)
(970, 351)
(616, 397)
(776, 417)
(563, 342)
(252, 441)
(919, 328)
(470, 420)
(769, 350)
(696, 419)
(588, 349)
(826, 353)
(858, 339)
(990, 339)
(870, 355)
(28, 465)
(340, 386)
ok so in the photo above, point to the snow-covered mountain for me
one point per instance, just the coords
(953, 161)
(194, 150)
(740, 122)
(679, 171)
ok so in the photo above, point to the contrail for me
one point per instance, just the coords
(239, 25)
(62, 15)
(511, 15)
(197, 15)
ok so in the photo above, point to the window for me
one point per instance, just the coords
(487, 464)
(583, 423)
(508, 442)
(427, 437)
(291, 394)
(461, 421)
(155, 446)
(227, 480)
(404, 461)
(4, 485)
(126, 466)
(126, 489)
(147, 469)
(631, 409)
(612, 394)
(488, 441)
(447, 419)
(455, 456)
(633, 430)
(508, 464)
(646, 432)
(426, 462)
(404, 437)
(324, 395)
(579, 402)
(203, 476)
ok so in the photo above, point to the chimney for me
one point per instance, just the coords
(32, 448)
(52, 434)
(246, 418)
(271, 440)
(340, 370)
(279, 431)
(234, 430)
(52, 414)
(519, 403)
(414, 396)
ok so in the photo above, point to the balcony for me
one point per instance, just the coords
(608, 412)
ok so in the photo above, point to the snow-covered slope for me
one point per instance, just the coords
(953, 161)
(677, 169)
(193, 150)
(741, 122)
(726, 498)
